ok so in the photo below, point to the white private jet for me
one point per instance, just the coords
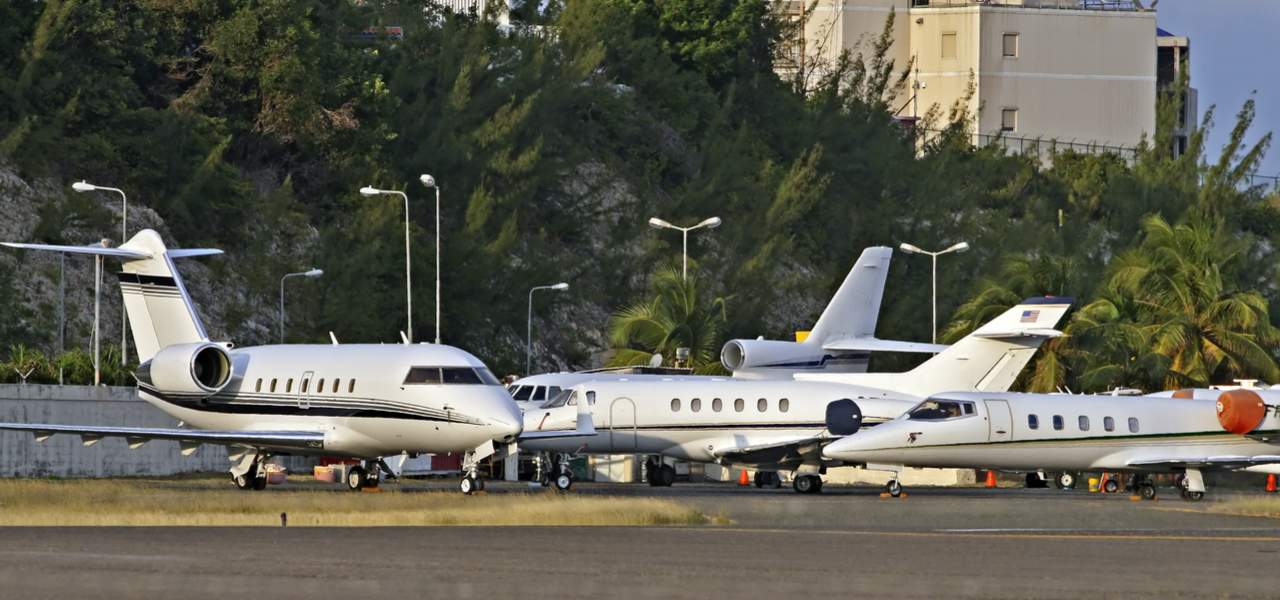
(355, 400)
(1071, 433)
(781, 424)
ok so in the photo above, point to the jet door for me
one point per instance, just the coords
(999, 420)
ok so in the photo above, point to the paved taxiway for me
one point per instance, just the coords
(936, 543)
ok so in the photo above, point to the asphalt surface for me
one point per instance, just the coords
(979, 543)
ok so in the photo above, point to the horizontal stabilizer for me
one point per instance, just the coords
(99, 250)
(192, 252)
(870, 344)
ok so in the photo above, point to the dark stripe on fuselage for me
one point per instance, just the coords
(724, 426)
(158, 280)
(293, 409)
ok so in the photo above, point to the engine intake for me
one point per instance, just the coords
(844, 417)
(1241, 411)
(200, 368)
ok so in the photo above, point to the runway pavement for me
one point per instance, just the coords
(1004, 543)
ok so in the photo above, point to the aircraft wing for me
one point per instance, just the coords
(189, 438)
(775, 451)
(871, 344)
(1207, 462)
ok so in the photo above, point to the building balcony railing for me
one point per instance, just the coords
(1104, 5)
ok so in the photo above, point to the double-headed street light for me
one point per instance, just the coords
(430, 182)
(528, 339)
(314, 272)
(910, 249)
(711, 223)
(84, 186)
(369, 191)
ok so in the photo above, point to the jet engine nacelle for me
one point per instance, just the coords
(752, 354)
(197, 368)
(844, 417)
(1241, 411)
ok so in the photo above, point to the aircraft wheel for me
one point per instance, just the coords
(1035, 481)
(666, 475)
(246, 481)
(260, 483)
(469, 485)
(759, 479)
(563, 482)
(1147, 491)
(775, 481)
(355, 478)
(1191, 496)
(372, 478)
(807, 484)
(1111, 486)
(1065, 481)
(894, 487)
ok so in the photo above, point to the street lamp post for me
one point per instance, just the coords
(83, 186)
(368, 191)
(430, 182)
(711, 223)
(910, 249)
(313, 272)
(528, 338)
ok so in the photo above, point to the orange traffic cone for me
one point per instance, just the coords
(991, 479)
(743, 479)
(1271, 482)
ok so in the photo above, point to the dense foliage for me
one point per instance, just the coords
(250, 125)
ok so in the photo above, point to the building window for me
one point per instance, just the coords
(1133, 425)
(716, 405)
(1009, 119)
(1033, 422)
(738, 405)
(762, 405)
(1083, 423)
(273, 386)
(695, 405)
(784, 405)
(949, 44)
(258, 388)
(1108, 423)
(675, 405)
(1058, 423)
(1010, 45)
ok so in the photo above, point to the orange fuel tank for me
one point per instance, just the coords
(1241, 411)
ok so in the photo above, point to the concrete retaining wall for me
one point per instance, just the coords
(65, 456)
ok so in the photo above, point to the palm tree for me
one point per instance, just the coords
(26, 364)
(676, 317)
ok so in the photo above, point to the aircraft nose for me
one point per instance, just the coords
(508, 420)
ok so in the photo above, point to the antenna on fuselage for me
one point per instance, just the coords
(404, 338)
(333, 338)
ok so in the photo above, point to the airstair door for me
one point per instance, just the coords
(999, 420)
(622, 426)
(304, 390)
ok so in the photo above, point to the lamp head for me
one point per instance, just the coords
(711, 223)
(910, 249)
(369, 190)
(314, 272)
(427, 180)
(657, 223)
(83, 186)
(961, 247)
(562, 286)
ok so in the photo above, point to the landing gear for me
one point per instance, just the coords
(1147, 490)
(768, 479)
(659, 474)
(1036, 480)
(471, 483)
(1065, 481)
(251, 472)
(367, 475)
(1111, 486)
(1192, 484)
(246, 480)
(564, 481)
(355, 478)
(807, 484)
(893, 488)
(1191, 496)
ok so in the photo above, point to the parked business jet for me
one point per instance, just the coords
(355, 400)
(779, 424)
(1070, 433)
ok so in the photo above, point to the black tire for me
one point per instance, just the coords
(803, 484)
(246, 481)
(1147, 491)
(775, 480)
(467, 485)
(260, 483)
(1191, 496)
(893, 487)
(355, 478)
(759, 479)
(372, 479)
(1035, 481)
(666, 475)
(1111, 486)
(1065, 481)
(563, 482)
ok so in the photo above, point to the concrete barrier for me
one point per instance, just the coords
(65, 456)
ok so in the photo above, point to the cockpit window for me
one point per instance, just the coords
(450, 376)
(937, 410)
(558, 400)
(539, 394)
(521, 393)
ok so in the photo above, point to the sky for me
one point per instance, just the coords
(1233, 53)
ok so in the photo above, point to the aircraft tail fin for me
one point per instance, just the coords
(160, 310)
(855, 307)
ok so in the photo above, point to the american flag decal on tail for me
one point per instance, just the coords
(1030, 316)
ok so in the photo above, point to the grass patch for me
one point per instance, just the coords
(1251, 506)
(157, 502)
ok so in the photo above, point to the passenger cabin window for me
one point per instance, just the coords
(351, 386)
(937, 410)
(591, 398)
(1058, 423)
(521, 393)
(273, 386)
(784, 405)
(288, 386)
(675, 405)
(319, 386)
(258, 387)
(1133, 425)
(1083, 423)
(716, 405)
(305, 383)
(1033, 422)
(1108, 423)
(968, 408)
(695, 405)
(738, 405)
(762, 405)
(335, 384)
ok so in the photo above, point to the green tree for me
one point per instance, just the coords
(676, 317)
